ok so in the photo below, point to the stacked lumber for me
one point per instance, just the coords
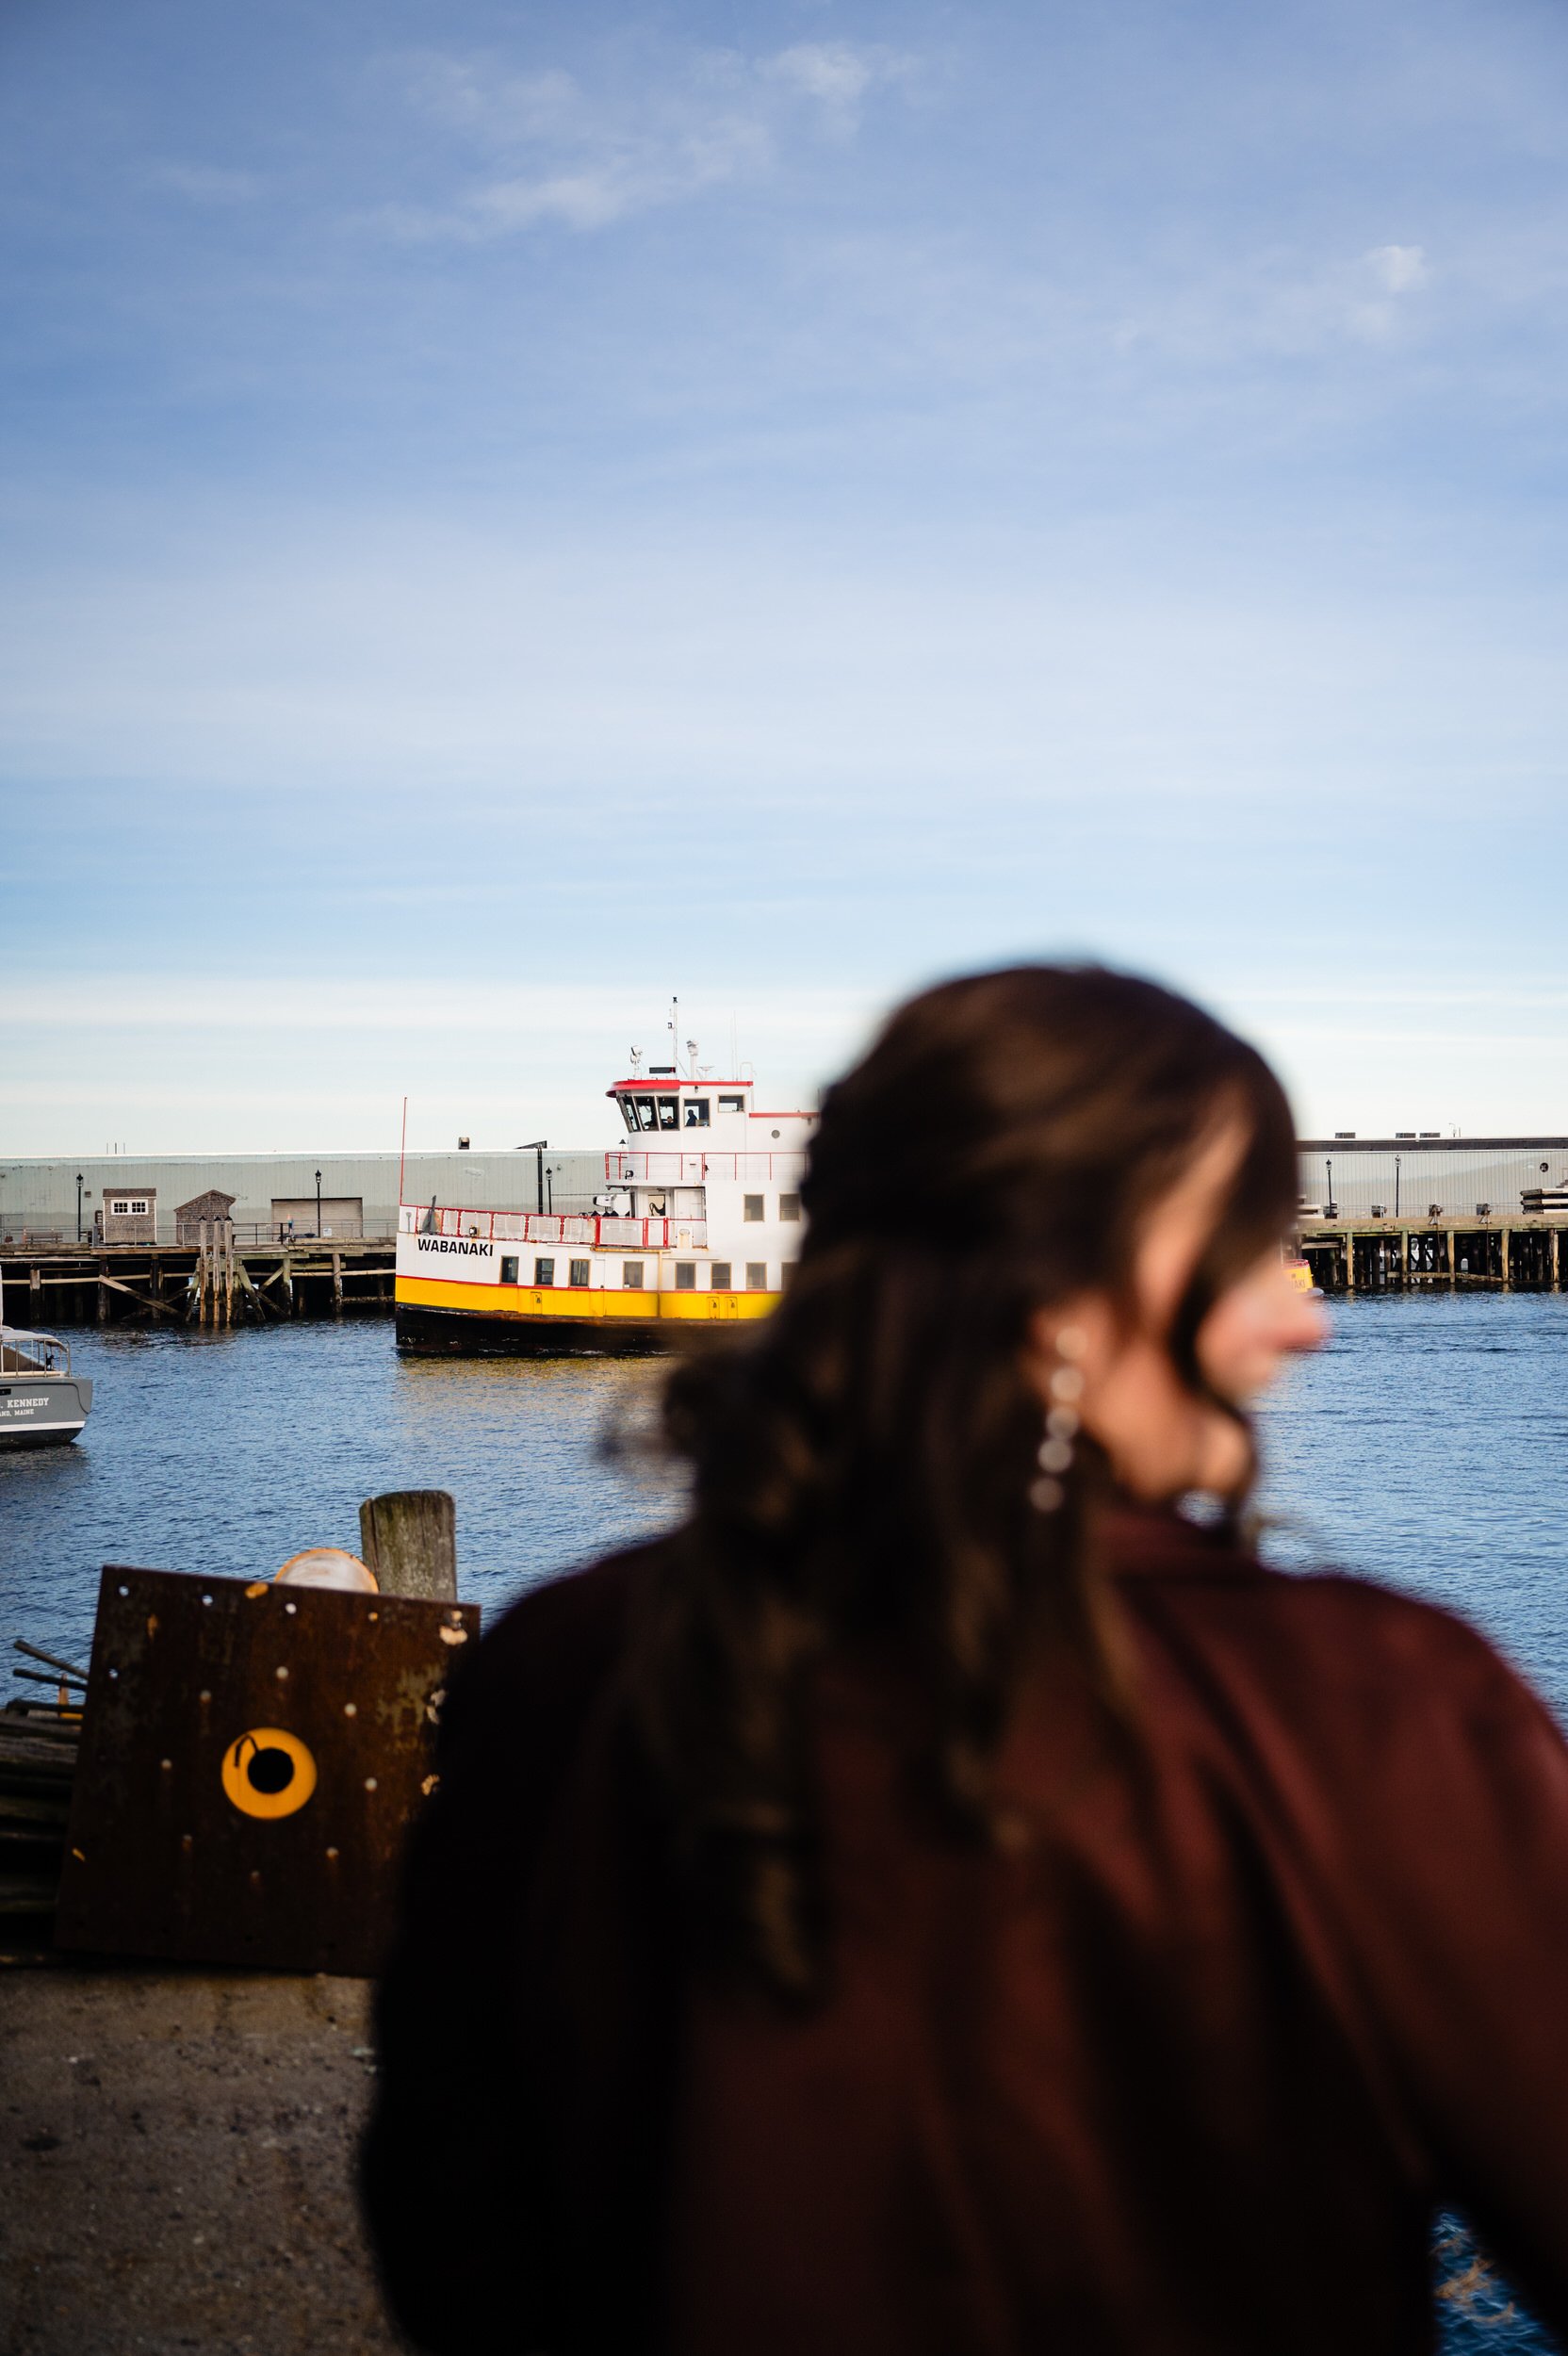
(37, 1762)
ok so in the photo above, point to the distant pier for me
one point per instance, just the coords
(1476, 1254)
(213, 1281)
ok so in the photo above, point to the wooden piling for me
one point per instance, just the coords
(409, 1540)
(337, 1297)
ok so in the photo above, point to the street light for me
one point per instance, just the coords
(537, 1146)
(78, 1206)
(549, 1189)
(1331, 1208)
(318, 1205)
(1398, 1161)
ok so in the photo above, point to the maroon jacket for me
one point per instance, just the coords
(1189, 2072)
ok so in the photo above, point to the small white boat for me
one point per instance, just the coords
(42, 1405)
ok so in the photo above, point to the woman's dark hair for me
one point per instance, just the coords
(861, 1464)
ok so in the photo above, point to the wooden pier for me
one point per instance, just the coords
(1478, 1254)
(211, 1282)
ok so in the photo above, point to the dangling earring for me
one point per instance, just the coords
(1055, 1456)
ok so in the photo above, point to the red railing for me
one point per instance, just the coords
(556, 1227)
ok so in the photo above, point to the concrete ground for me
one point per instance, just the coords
(176, 2156)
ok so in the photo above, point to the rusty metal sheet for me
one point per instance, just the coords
(252, 1758)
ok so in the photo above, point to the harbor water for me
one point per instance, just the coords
(1426, 1446)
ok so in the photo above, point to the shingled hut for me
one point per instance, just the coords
(209, 1207)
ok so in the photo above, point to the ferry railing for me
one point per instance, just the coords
(555, 1227)
(692, 1170)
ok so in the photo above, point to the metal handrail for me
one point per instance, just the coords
(673, 1168)
(43, 1353)
(561, 1228)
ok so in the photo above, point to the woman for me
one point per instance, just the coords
(941, 1899)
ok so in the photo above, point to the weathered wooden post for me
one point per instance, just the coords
(337, 1290)
(409, 1540)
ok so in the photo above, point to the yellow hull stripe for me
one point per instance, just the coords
(581, 1303)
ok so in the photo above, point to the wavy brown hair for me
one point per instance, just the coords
(861, 1464)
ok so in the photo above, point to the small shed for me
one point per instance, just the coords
(129, 1214)
(201, 1209)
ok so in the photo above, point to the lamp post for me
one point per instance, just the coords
(549, 1190)
(536, 1147)
(317, 1206)
(1330, 1207)
(78, 1206)
(1398, 1163)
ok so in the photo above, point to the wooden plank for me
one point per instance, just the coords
(141, 1300)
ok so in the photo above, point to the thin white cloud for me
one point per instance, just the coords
(1399, 269)
(207, 184)
(585, 159)
(833, 74)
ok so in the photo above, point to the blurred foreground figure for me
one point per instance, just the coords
(942, 1899)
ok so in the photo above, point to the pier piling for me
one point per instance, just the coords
(1480, 1253)
(204, 1281)
(409, 1540)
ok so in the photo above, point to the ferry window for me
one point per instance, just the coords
(696, 1112)
(647, 1116)
(579, 1271)
(757, 1276)
(721, 1277)
(669, 1111)
(732, 1104)
(685, 1276)
(632, 1275)
(751, 1206)
(508, 1271)
(789, 1206)
(653, 1206)
(544, 1272)
(628, 1110)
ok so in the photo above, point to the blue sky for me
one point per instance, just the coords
(508, 512)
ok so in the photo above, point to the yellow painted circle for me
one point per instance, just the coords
(269, 1773)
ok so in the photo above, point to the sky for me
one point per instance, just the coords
(509, 514)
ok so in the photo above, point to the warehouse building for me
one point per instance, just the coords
(1421, 1176)
(344, 1195)
(353, 1195)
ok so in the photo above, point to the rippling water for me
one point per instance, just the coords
(1427, 1445)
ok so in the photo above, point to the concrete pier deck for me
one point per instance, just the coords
(176, 2163)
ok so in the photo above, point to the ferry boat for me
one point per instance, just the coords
(698, 1222)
